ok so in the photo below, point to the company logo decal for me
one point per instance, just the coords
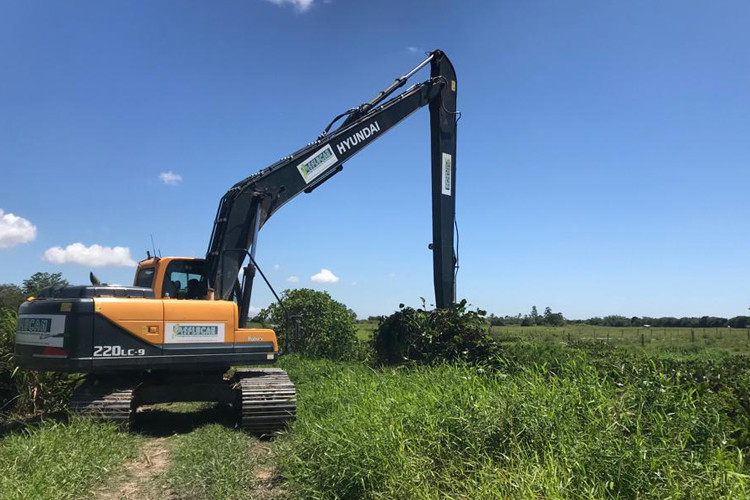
(187, 333)
(35, 325)
(318, 163)
(41, 330)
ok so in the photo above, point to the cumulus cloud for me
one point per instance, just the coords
(170, 178)
(299, 5)
(15, 230)
(293, 279)
(93, 256)
(324, 276)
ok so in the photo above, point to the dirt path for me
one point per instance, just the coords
(136, 484)
(266, 484)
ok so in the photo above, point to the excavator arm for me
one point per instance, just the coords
(248, 204)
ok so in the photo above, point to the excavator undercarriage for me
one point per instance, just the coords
(264, 398)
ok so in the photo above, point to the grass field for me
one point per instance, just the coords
(62, 460)
(556, 421)
(651, 339)
(593, 417)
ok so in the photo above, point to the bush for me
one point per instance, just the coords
(7, 339)
(451, 334)
(326, 327)
(24, 392)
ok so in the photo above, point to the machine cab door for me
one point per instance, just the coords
(193, 325)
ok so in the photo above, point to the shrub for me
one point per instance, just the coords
(24, 392)
(7, 339)
(450, 334)
(326, 327)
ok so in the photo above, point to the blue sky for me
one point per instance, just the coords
(602, 158)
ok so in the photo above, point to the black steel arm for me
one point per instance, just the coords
(248, 204)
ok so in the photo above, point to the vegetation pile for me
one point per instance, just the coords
(431, 336)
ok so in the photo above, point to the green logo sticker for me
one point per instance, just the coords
(195, 330)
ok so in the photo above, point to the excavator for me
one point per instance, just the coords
(174, 335)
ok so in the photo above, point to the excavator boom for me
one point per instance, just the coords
(248, 204)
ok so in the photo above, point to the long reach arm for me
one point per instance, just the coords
(248, 204)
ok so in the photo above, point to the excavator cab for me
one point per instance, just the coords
(173, 277)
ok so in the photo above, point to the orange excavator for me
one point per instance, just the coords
(174, 334)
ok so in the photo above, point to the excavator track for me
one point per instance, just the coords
(100, 399)
(267, 400)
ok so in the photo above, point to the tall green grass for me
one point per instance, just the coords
(549, 422)
(62, 461)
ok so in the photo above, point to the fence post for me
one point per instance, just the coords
(568, 337)
(692, 335)
(642, 340)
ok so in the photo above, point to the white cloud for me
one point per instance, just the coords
(415, 50)
(276, 267)
(299, 5)
(325, 276)
(93, 256)
(170, 178)
(293, 279)
(15, 230)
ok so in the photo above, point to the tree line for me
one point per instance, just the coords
(550, 318)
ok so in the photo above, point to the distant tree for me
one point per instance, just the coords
(352, 314)
(552, 318)
(615, 320)
(11, 296)
(534, 316)
(496, 320)
(636, 321)
(739, 322)
(527, 321)
(37, 281)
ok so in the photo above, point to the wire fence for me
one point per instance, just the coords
(734, 339)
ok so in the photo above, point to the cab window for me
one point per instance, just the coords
(185, 279)
(145, 278)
